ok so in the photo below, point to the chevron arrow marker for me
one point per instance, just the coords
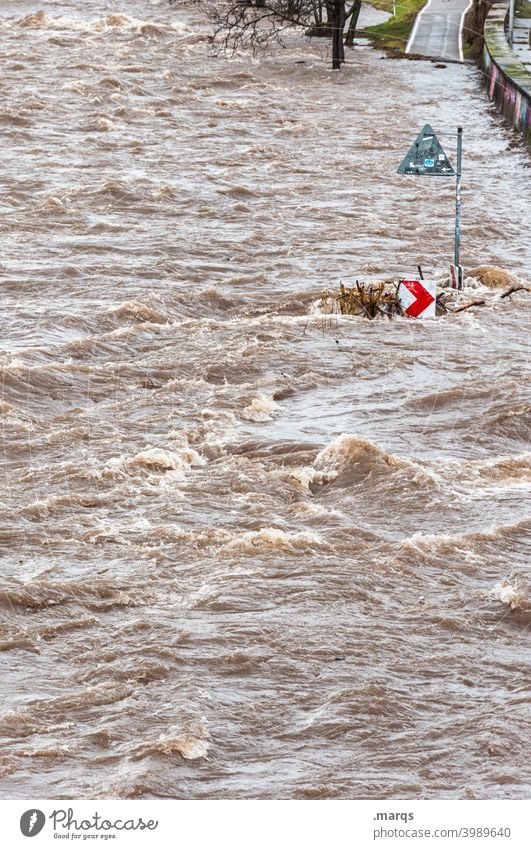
(417, 298)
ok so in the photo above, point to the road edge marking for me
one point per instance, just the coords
(413, 34)
(461, 28)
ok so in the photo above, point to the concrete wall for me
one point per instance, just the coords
(507, 80)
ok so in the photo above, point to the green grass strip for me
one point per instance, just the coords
(394, 33)
(523, 11)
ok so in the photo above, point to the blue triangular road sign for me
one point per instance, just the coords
(426, 157)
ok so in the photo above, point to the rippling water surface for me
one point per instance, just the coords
(247, 551)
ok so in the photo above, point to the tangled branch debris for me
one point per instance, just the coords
(366, 299)
(468, 305)
(380, 298)
(372, 300)
(514, 289)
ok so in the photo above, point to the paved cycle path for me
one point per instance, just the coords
(438, 30)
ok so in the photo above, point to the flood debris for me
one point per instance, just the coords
(443, 303)
(468, 305)
(373, 299)
(380, 298)
(492, 276)
(513, 289)
(365, 299)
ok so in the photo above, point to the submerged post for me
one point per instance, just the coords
(458, 207)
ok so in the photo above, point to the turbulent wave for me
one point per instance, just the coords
(96, 593)
(448, 543)
(190, 740)
(137, 311)
(158, 460)
(516, 599)
(270, 539)
(42, 20)
(351, 460)
(39, 716)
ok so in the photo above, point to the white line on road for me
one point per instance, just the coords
(461, 28)
(434, 16)
(416, 26)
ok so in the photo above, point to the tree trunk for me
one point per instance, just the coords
(354, 15)
(318, 14)
(338, 52)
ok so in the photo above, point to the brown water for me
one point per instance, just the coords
(245, 554)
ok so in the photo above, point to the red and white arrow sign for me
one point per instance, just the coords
(417, 298)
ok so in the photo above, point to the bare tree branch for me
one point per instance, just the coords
(254, 24)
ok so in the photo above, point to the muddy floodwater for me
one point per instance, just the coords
(246, 550)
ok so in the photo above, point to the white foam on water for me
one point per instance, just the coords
(261, 409)
(174, 462)
(270, 539)
(508, 594)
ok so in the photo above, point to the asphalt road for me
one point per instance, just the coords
(437, 30)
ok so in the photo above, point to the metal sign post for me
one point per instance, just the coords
(459, 270)
(426, 158)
